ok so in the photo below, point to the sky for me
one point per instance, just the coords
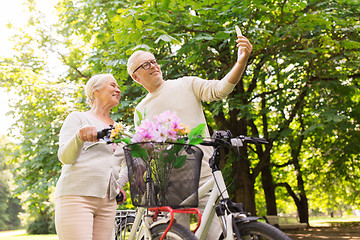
(13, 11)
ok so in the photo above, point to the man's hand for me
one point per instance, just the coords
(244, 51)
(244, 47)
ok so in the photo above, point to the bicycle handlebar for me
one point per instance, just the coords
(105, 134)
(224, 137)
(220, 137)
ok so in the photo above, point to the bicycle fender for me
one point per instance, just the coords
(160, 221)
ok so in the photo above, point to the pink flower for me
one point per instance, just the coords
(172, 134)
(160, 133)
(144, 132)
(165, 128)
(167, 117)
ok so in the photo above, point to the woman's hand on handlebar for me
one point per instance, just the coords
(88, 133)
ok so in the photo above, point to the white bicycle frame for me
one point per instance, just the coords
(142, 228)
(217, 185)
(218, 188)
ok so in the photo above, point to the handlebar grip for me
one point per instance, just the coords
(101, 134)
(105, 132)
(256, 140)
(119, 198)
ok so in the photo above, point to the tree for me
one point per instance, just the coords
(39, 111)
(9, 205)
(293, 40)
(328, 73)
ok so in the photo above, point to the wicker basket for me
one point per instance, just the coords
(163, 174)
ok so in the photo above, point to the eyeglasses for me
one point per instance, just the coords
(146, 65)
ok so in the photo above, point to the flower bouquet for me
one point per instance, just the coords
(163, 163)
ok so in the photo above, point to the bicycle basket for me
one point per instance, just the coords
(163, 174)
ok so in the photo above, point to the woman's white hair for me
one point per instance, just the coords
(96, 82)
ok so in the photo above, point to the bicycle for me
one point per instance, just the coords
(235, 222)
(149, 220)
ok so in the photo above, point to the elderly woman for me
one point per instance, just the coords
(91, 175)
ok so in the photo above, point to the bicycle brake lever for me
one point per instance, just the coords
(236, 142)
(107, 140)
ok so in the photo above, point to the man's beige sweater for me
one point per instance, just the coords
(185, 96)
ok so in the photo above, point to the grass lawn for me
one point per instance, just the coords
(21, 235)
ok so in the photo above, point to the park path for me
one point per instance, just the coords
(325, 233)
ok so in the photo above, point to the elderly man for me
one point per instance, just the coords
(184, 96)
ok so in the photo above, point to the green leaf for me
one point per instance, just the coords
(139, 24)
(177, 148)
(127, 140)
(202, 37)
(180, 161)
(167, 38)
(140, 116)
(195, 141)
(196, 134)
(137, 151)
(181, 141)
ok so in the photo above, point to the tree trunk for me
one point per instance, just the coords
(303, 209)
(302, 205)
(300, 202)
(244, 184)
(269, 190)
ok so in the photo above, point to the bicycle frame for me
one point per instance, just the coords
(143, 227)
(219, 192)
(217, 186)
(142, 230)
(229, 213)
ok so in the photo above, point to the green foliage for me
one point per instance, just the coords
(39, 109)
(9, 205)
(42, 224)
(4, 196)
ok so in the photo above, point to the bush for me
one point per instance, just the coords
(43, 224)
